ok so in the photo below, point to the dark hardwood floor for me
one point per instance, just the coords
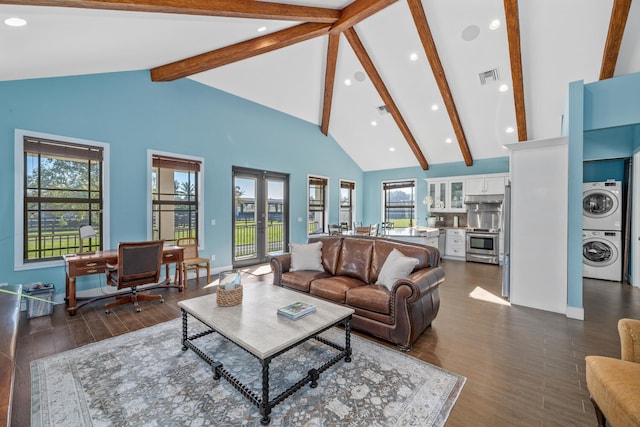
(524, 367)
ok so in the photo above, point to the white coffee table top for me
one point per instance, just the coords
(255, 324)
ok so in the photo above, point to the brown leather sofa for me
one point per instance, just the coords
(352, 265)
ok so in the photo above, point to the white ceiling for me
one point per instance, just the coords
(561, 41)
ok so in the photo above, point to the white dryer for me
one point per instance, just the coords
(602, 255)
(602, 206)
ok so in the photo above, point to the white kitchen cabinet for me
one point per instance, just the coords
(456, 195)
(455, 244)
(447, 195)
(438, 193)
(486, 184)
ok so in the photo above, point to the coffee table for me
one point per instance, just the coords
(255, 326)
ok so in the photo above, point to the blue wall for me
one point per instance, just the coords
(373, 183)
(603, 170)
(132, 114)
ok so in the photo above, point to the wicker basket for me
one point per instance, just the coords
(228, 298)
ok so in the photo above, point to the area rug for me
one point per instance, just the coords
(144, 378)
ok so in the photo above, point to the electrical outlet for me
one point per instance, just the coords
(213, 257)
(213, 222)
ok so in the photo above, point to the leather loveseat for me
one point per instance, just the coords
(351, 268)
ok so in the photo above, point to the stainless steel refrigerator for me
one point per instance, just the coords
(506, 230)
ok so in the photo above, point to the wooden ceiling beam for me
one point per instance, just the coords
(619, 15)
(420, 20)
(237, 52)
(367, 64)
(515, 56)
(329, 79)
(358, 11)
(225, 8)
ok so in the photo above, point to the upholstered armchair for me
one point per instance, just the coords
(614, 384)
(139, 263)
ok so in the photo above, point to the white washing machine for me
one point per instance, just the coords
(602, 255)
(602, 205)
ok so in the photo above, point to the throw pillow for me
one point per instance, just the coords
(306, 256)
(396, 266)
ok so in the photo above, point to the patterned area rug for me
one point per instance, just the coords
(144, 378)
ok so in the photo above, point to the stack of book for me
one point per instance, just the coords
(297, 310)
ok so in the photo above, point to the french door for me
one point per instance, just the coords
(260, 215)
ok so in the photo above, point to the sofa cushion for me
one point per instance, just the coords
(427, 256)
(355, 258)
(397, 266)
(334, 288)
(306, 256)
(330, 252)
(300, 280)
(370, 297)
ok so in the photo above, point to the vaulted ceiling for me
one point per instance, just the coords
(396, 83)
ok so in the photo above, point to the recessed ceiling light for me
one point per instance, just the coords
(413, 56)
(495, 24)
(15, 22)
(509, 130)
(435, 107)
(448, 140)
(392, 149)
(347, 82)
(374, 123)
(503, 88)
(262, 29)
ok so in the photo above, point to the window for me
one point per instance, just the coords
(62, 187)
(317, 204)
(346, 203)
(399, 203)
(175, 197)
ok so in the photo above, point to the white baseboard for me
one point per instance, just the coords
(575, 313)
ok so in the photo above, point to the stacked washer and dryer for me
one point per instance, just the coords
(602, 230)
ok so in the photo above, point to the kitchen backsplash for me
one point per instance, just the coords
(446, 219)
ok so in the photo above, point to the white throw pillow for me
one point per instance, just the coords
(306, 257)
(396, 266)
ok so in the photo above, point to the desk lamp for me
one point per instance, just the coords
(86, 232)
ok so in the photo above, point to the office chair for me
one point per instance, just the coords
(192, 260)
(138, 264)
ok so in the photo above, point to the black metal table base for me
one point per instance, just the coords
(262, 402)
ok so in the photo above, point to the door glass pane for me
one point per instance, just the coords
(456, 195)
(245, 217)
(275, 216)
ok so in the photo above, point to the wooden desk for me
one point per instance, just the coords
(94, 263)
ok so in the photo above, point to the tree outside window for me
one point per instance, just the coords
(62, 191)
(174, 198)
(399, 203)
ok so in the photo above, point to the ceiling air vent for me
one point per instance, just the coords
(382, 110)
(489, 76)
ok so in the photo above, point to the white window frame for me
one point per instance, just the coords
(18, 261)
(326, 202)
(382, 202)
(150, 154)
(353, 200)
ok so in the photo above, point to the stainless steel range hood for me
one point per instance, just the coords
(483, 199)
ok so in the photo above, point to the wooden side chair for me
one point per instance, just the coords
(192, 260)
(139, 263)
(335, 230)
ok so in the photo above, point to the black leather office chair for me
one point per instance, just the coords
(139, 263)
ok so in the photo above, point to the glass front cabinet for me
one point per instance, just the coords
(438, 193)
(446, 195)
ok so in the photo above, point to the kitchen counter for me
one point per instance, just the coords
(412, 232)
(422, 235)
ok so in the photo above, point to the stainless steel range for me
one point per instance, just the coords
(483, 217)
